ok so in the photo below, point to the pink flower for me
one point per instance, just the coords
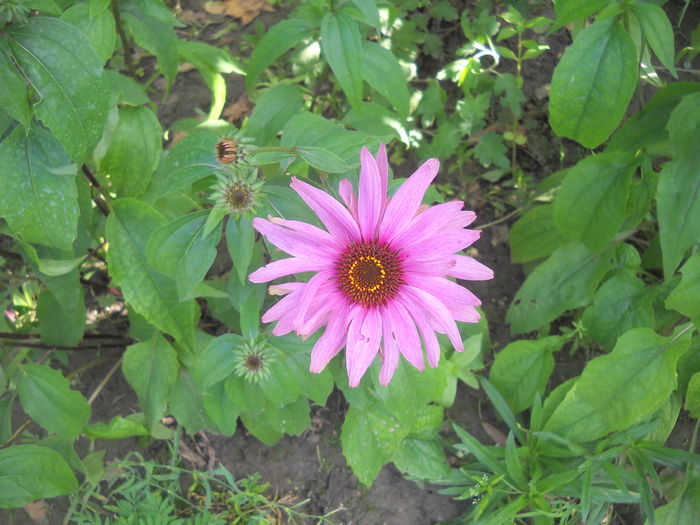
(381, 268)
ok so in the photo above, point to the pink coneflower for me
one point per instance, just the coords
(381, 271)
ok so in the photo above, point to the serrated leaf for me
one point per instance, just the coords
(341, 45)
(622, 303)
(522, 369)
(619, 389)
(278, 40)
(48, 399)
(39, 196)
(98, 27)
(534, 236)
(370, 438)
(31, 472)
(593, 83)
(150, 293)
(590, 205)
(133, 152)
(13, 89)
(68, 76)
(383, 72)
(181, 250)
(151, 368)
(658, 32)
(566, 280)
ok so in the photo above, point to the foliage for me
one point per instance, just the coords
(609, 243)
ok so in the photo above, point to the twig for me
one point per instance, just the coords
(125, 342)
(99, 201)
(499, 221)
(122, 36)
(102, 384)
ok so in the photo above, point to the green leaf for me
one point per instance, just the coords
(240, 240)
(322, 159)
(370, 438)
(420, 458)
(187, 404)
(590, 205)
(48, 399)
(383, 72)
(151, 369)
(278, 40)
(272, 110)
(150, 293)
(220, 410)
(685, 297)
(61, 322)
(341, 45)
(118, 428)
(180, 250)
(622, 303)
(683, 509)
(593, 83)
(13, 90)
(39, 197)
(99, 28)
(130, 92)
(692, 396)
(658, 32)
(566, 280)
(192, 159)
(618, 390)
(568, 11)
(133, 152)
(522, 369)
(155, 36)
(490, 149)
(32, 472)
(217, 360)
(534, 236)
(62, 67)
(370, 13)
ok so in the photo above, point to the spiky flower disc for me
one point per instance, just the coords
(382, 271)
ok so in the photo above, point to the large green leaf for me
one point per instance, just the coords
(133, 152)
(217, 360)
(522, 369)
(658, 32)
(593, 83)
(273, 109)
(618, 390)
(48, 399)
(279, 39)
(118, 428)
(155, 36)
(240, 240)
(13, 89)
(566, 280)
(622, 303)
(61, 322)
(31, 472)
(383, 72)
(181, 251)
(534, 236)
(568, 11)
(590, 205)
(151, 369)
(98, 27)
(150, 293)
(683, 509)
(370, 438)
(39, 196)
(341, 44)
(62, 67)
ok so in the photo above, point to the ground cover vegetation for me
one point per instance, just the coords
(108, 210)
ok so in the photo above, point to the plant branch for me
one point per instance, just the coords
(99, 201)
(122, 36)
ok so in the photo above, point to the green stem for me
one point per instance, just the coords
(122, 36)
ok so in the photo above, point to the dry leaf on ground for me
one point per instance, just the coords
(239, 109)
(246, 10)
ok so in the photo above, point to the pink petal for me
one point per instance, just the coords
(370, 199)
(383, 165)
(427, 267)
(449, 292)
(347, 193)
(437, 312)
(470, 270)
(307, 296)
(390, 351)
(305, 244)
(442, 244)
(286, 306)
(333, 215)
(332, 340)
(434, 221)
(364, 335)
(403, 205)
(404, 330)
(284, 288)
(288, 266)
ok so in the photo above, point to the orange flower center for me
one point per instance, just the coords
(369, 273)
